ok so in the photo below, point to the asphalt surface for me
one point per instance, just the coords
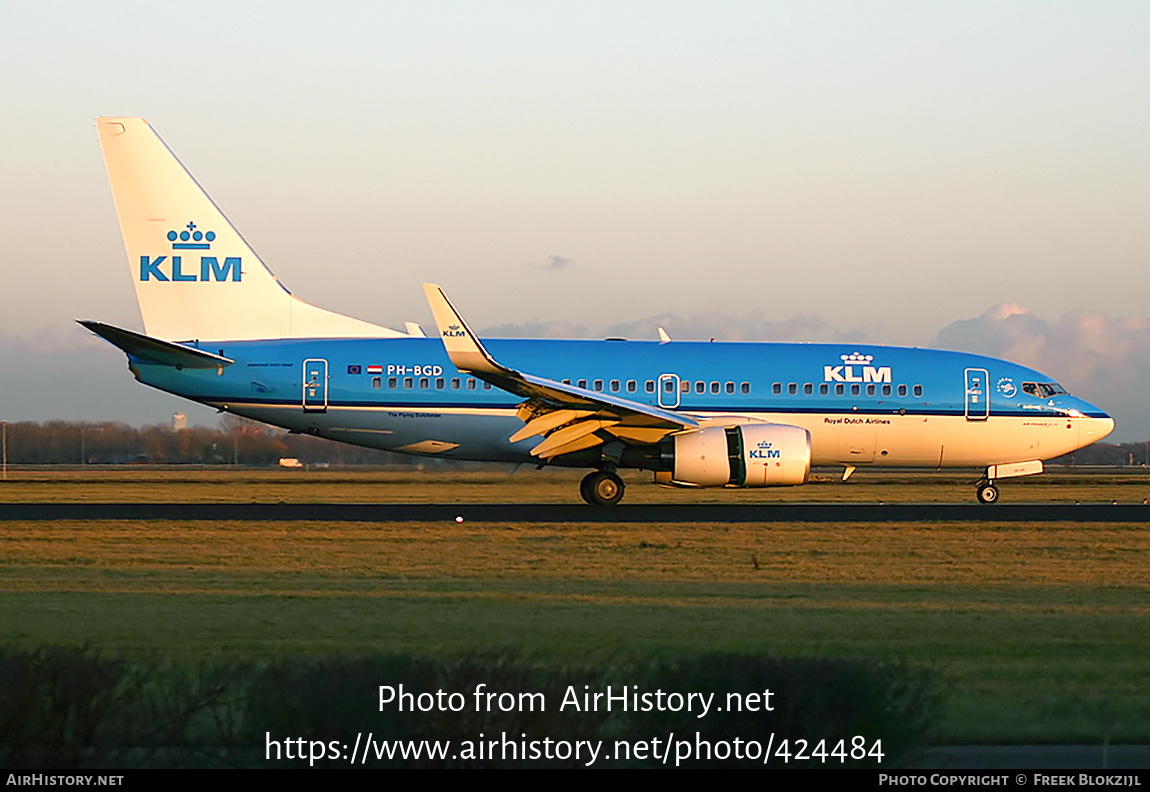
(578, 513)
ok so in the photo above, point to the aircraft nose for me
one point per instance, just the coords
(1097, 428)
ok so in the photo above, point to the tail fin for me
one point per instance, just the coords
(195, 276)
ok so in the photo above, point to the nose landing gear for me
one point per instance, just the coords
(986, 492)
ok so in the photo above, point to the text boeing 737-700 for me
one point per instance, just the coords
(221, 330)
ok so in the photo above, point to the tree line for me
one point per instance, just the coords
(236, 441)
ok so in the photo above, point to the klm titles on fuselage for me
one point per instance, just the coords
(856, 368)
(171, 269)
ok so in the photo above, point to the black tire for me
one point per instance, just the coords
(987, 493)
(601, 488)
(585, 487)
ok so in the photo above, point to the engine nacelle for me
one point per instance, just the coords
(748, 455)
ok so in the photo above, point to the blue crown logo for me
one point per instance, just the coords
(191, 238)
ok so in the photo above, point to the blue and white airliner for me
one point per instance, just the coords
(220, 329)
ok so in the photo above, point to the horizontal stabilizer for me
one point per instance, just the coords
(153, 350)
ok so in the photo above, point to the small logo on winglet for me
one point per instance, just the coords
(454, 331)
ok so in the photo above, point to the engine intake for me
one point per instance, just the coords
(747, 455)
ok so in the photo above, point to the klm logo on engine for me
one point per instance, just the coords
(764, 451)
(174, 269)
(856, 368)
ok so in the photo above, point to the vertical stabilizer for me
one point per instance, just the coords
(195, 276)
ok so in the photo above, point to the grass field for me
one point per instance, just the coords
(178, 484)
(1040, 629)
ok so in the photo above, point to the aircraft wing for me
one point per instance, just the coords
(571, 418)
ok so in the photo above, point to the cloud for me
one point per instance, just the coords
(705, 325)
(559, 262)
(1103, 359)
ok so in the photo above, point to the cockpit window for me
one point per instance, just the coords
(1042, 390)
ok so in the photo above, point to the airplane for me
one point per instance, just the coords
(221, 330)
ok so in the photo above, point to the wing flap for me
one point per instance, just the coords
(574, 437)
(547, 421)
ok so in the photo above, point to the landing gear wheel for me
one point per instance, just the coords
(986, 492)
(601, 488)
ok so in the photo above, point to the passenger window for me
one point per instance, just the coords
(792, 388)
(824, 389)
(668, 386)
(439, 383)
(700, 387)
(487, 386)
(715, 387)
(840, 389)
(917, 390)
(870, 390)
(685, 386)
(566, 382)
(730, 387)
(777, 387)
(377, 382)
(745, 387)
(614, 386)
(808, 388)
(855, 390)
(650, 386)
(598, 385)
(455, 383)
(886, 390)
(408, 383)
(632, 386)
(582, 384)
(392, 382)
(423, 383)
(471, 383)
(901, 390)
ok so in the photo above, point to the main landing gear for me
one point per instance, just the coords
(602, 488)
(986, 492)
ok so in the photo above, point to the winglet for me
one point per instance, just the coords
(464, 349)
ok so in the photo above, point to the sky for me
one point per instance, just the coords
(965, 175)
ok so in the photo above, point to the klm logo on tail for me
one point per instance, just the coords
(163, 268)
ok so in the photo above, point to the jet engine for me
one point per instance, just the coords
(747, 455)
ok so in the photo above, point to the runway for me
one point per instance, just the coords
(578, 513)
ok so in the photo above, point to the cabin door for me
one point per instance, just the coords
(315, 385)
(977, 395)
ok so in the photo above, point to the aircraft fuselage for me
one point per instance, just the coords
(863, 405)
